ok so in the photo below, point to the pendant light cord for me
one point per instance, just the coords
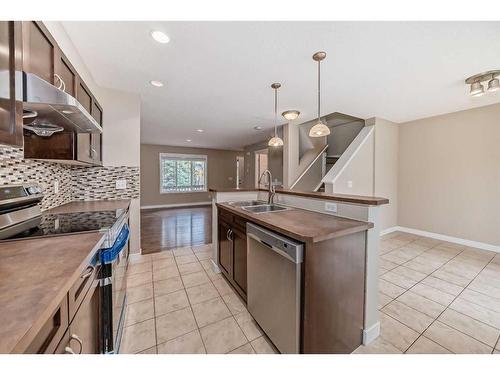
(275, 112)
(319, 90)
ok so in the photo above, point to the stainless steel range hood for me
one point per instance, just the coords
(48, 104)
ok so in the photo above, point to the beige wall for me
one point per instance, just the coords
(386, 170)
(449, 174)
(221, 166)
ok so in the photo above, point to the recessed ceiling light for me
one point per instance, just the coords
(257, 127)
(156, 83)
(160, 37)
(200, 130)
(188, 140)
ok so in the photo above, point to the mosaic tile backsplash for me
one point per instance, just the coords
(75, 182)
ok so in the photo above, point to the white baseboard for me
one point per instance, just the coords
(443, 237)
(215, 267)
(388, 230)
(371, 333)
(176, 205)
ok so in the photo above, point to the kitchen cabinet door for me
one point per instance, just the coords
(96, 148)
(38, 51)
(11, 108)
(66, 76)
(225, 249)
(84, 96)
(84, 328)
(240, 260)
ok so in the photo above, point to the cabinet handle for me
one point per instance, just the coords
(229, 235)
(68, 350)
(62, 85)
(79, 340)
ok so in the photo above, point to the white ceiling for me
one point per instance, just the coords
(217, 75)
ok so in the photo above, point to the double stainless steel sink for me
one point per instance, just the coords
(258, 207)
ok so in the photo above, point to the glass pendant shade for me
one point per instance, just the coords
(319, 130)
(275, 142)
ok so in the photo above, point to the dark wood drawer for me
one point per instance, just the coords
(241, 223)
(51, 333)
(78, 291)
(225, 215)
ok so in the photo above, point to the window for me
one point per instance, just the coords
(181, 173)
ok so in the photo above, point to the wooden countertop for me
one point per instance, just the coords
(89, 206)
(302, 225)
(35, 275)
(357, 199)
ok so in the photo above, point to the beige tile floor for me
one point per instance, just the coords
(177, 304)
(436, 297)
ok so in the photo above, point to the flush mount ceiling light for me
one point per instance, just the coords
(257, 127)
(188, 140)
(291, 114)
(275, 141)
(320, 129)
(200, 130)
(476, 86)
(156, 83)
(160, 37)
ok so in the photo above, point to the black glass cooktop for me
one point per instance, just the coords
(59, 224)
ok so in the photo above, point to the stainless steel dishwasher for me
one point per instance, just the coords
(273, 290)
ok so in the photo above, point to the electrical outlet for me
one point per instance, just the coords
(349, 184)
(120, 184)
(56, 186)
(331, 207)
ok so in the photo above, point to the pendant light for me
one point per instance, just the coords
(275, 141)
(320, 129)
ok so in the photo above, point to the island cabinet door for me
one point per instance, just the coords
(84, 328)
(225, 249)
(240, 260)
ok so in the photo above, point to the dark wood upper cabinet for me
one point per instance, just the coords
(65, 76)
(11, 108)
(84, 96)
(42, 56)
(38, 50)
(97, 112)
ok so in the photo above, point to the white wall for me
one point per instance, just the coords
(121, 122)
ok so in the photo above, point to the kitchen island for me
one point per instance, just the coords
(339, 272)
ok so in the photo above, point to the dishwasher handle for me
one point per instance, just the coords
(289, 249)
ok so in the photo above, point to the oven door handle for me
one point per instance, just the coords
(90, 271)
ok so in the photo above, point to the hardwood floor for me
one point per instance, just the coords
(163, 229)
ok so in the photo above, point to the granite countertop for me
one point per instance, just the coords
(35, 275)
(302, 225)
(357, 199)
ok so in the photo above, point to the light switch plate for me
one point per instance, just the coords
(121, 184)
(56, 186)
(349, 184)
(331, 207)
